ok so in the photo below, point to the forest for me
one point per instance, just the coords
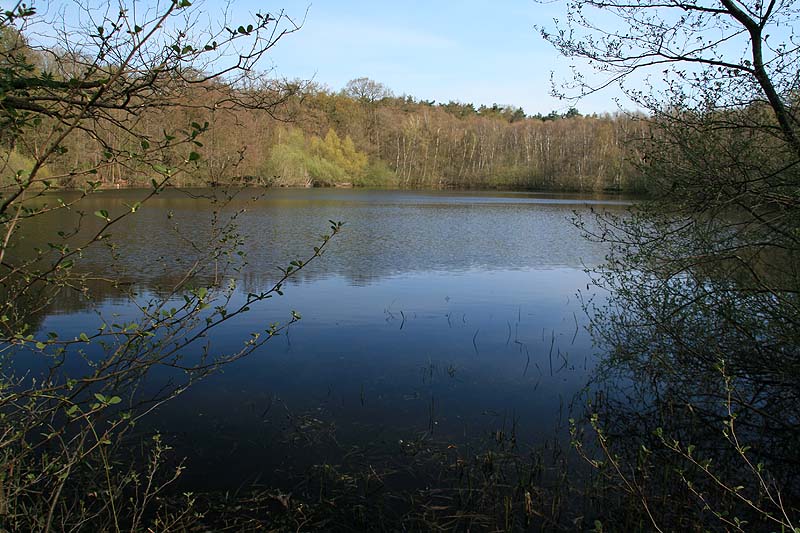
(270, 132)
(687, 419)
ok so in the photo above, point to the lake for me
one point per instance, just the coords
(446, 316)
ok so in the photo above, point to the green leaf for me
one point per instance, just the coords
(102, 213)
(194, 156)
(84, 337)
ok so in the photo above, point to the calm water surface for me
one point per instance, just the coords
(445, 315)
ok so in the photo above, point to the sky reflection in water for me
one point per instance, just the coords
(450, 313)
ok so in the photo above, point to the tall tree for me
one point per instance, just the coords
(703, 315)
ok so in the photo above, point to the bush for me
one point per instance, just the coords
(377, 175)
(14, 165)
(297, 162)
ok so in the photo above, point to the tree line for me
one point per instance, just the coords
(289, 133)
(695, 425)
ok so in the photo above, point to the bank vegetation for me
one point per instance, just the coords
(287, 133)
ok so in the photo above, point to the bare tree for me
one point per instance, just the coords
(94, 72)
(701, 325)
(367, 90)
(714, 54)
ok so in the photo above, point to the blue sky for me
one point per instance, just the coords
(472, 51)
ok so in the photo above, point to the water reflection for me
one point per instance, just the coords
(388, 232)
(433, 313)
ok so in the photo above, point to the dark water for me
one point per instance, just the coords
(445, 315)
